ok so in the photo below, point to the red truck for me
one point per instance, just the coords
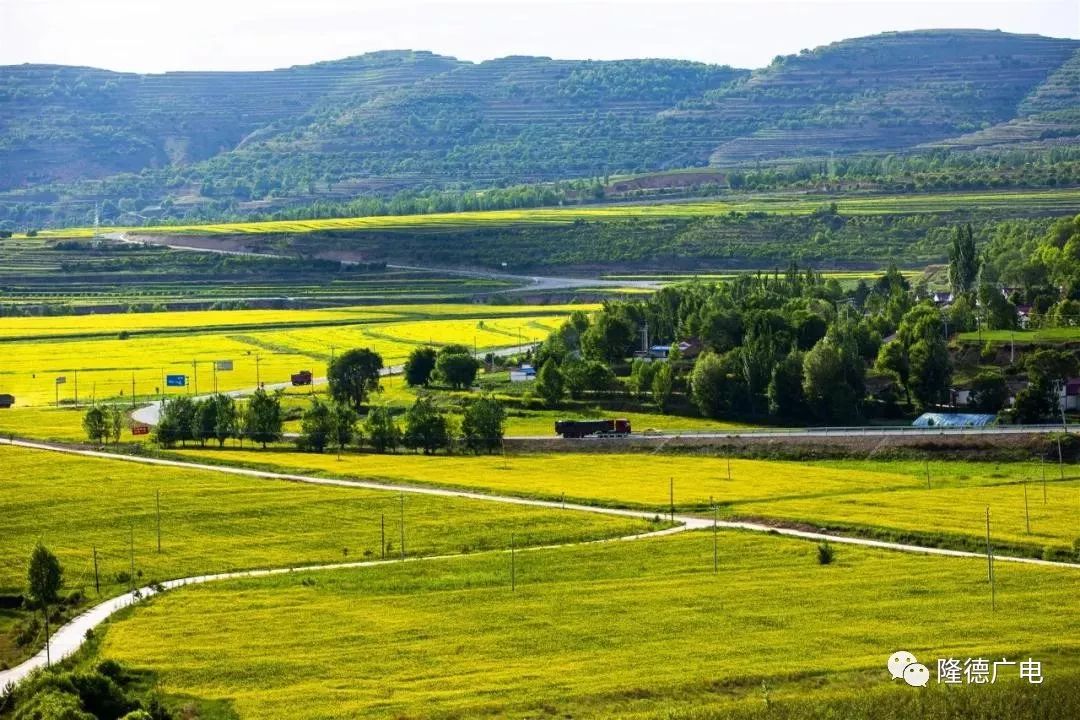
(302, 378)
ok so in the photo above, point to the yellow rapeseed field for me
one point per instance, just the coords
(892, 495)
(636, 630)
(42, 372)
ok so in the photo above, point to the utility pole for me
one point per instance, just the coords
(513, 566)
(1061, 463)
(989, 560)
(157, 502)
(382, 536)
(133, 390)
(258, 379)
(97, 580)
(1027, 517)
(131, 552)
(715, 531)
(76, 389)
(195, 375)
(671, 491)
(729, 468)
(402, 526)
(927, 465)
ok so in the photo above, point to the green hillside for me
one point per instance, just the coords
(213, 145)
(887, 92)
(69, 123)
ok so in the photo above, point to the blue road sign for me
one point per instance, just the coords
(176, 380)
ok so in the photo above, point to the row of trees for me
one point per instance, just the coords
(428, 429)
(220, 418)
(323, 424)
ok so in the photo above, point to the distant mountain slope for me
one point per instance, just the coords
(392, 120)
(68, 123)
(886, 92)
(1060, 91)
(523, 118)
(1049, 115)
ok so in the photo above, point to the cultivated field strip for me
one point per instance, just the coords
(1049, 200)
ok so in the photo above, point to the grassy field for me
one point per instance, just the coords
(540, 422)
(1042, 335)
(880, 496)
(1065, 199)
(109, 367)
(628, 630)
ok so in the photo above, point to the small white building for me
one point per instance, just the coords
(523, 373)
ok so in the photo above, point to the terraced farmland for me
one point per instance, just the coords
(96, 276)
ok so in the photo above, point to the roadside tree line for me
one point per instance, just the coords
(346, 418)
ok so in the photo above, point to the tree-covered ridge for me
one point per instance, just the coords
(730, 240)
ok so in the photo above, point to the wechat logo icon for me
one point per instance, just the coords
(903, 665)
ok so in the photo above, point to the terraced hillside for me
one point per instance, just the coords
(887, 92)
(70, 123)
(215, 144)
(1049, 114)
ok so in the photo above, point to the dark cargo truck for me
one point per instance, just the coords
(302, 378)
(593, 428)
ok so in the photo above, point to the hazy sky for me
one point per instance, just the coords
(153, 36)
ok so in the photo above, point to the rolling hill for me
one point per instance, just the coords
(208, 144)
